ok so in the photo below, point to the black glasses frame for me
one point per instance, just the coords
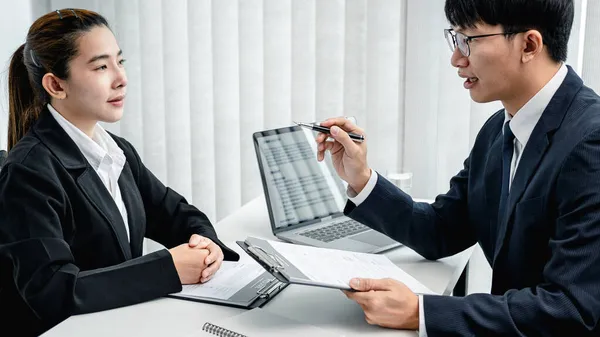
(453, 34)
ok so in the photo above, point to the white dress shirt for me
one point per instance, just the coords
(522, 125)
(103, 154)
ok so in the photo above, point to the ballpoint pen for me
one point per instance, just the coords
(315, 127)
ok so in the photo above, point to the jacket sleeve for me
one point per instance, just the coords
(567, 302)
(41, 283)
(433, 230)
(436, 230)
(170, 219)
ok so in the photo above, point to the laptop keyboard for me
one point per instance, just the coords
(336, 231)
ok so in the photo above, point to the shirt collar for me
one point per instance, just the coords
(103, 138)
(525, 120)
(95, 149)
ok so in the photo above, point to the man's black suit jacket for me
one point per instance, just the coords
(545, 252)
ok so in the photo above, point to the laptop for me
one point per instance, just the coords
(305, 198)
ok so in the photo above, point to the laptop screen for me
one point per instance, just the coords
(299, 190)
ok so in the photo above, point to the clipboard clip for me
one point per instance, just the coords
(269, 288)
(271, 261)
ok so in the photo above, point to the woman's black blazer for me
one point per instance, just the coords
(63, 244)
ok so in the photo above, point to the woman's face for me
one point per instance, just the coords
(96, 86)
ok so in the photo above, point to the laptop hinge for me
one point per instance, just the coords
(327, 218)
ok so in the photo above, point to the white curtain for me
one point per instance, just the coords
(205, 74)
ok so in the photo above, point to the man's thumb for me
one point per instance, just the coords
(342, 137)
(365, 284)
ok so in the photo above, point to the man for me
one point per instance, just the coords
(529, 192)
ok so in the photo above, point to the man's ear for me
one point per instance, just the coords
(532, 45)
(54, 86)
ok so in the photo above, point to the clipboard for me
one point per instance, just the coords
(278, 266)
(370, 265)
(254, 295)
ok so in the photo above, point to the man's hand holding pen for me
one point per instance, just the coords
(349, 157)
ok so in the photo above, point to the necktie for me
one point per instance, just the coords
(507, 153)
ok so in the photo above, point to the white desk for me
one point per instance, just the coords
(326, 308)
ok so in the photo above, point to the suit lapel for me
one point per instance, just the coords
(493, 181)
(532, 155)
(536, 147)
(135, 210)
(66, 151)
(98, 195)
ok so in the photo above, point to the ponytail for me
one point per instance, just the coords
(51, 44)
(23, 108)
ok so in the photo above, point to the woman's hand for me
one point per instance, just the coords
(214, 259)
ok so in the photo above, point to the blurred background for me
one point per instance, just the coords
(205, 74)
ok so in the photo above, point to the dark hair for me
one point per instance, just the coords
(50, 44)
(552, 18)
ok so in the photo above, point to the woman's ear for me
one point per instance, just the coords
(533, 44)
(54, 86)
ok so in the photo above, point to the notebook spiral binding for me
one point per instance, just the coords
(219, 331)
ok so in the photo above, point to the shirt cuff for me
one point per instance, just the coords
(422, 330)
(358, 199)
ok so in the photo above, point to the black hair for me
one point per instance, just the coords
(552, 18)
(50, 45)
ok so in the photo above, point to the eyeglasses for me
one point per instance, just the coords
(460, 40)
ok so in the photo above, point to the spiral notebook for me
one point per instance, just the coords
(259, 322)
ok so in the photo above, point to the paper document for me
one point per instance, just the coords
(337, 267)
(228, 280)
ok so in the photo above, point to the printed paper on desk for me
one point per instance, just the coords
(228, 280)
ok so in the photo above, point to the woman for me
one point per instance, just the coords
(76, 201)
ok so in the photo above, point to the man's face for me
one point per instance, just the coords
(491, 71)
